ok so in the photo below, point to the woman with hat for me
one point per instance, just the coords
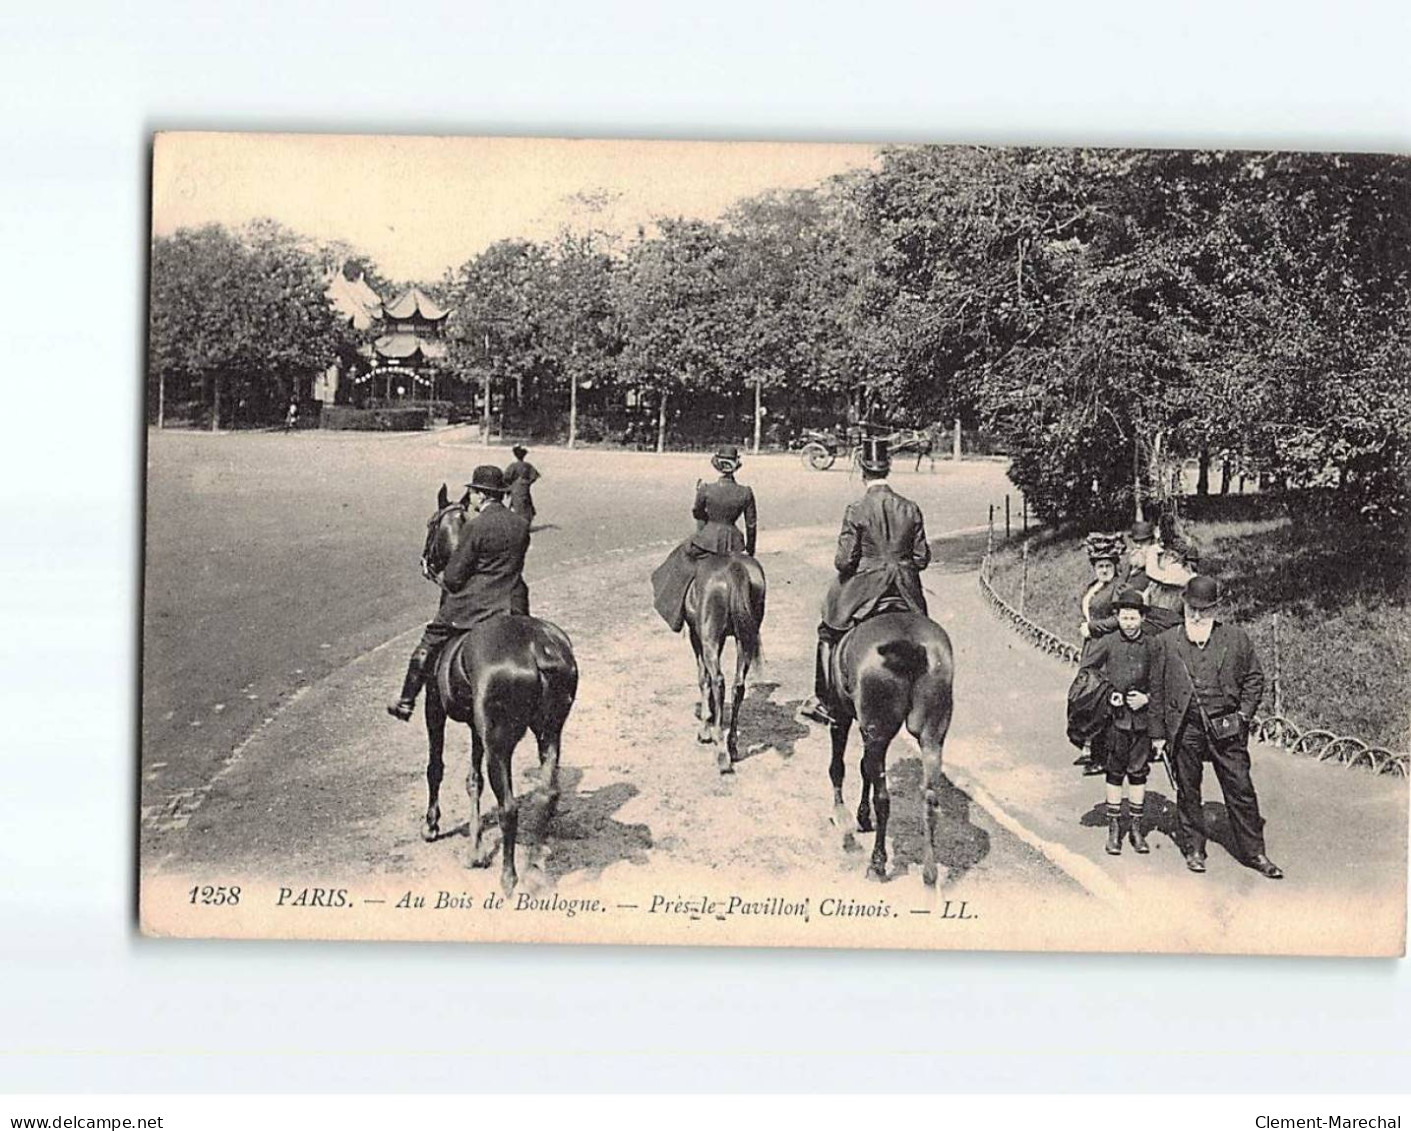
(1099, 619)
(1169, 567)
(1123, 660)
(1099, 615)
(716, 509)
(520, 476)
(484, 576)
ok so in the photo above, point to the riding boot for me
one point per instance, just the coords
(820, 706)
(1114, 830)
(405, 703)
(1138, 812)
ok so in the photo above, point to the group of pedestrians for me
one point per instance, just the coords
(1163, 674)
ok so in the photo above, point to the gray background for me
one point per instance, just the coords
(85, 1005)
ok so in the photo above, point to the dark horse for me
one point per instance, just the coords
(894, 668)
(725, 599)
(506, 675)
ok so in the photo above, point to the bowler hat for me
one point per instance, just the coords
(1142, 531)
(520, 451)
(488, 478)
(875, 455)
(726, 458)
(1130, 599)
(1201, 592)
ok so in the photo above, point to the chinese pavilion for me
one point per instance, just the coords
(411, 347)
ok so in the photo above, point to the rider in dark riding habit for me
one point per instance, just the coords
(717, 507)
(882, 550)
(485, 576)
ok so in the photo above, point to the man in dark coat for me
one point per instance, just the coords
(882, 550)
(1142, 538)
(716, 508)
(1206, 684)
(520, 476)
(484, 577)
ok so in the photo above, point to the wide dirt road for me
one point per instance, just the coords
(330, 791)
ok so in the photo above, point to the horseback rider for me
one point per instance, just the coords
(716, 508)
(484, 577)
(882, 550)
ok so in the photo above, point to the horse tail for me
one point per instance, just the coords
(746, 608)
(933, 696)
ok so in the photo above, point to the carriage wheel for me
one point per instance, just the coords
(816, 456)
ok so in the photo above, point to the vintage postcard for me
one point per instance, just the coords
(776, 545)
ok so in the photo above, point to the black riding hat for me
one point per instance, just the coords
(520, 451)
(875, 455)
(488, 478)
(726, 459)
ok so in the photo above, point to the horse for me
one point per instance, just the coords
(726, 598)
(897, 667)
(509, 674)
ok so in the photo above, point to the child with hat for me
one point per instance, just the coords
(1123, 659)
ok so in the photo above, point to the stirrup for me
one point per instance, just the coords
(401, 709)
(817, 712)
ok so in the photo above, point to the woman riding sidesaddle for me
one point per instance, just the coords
(717, 507)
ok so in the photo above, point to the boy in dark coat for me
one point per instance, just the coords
(1124, 660)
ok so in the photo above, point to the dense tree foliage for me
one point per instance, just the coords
(238, 318)
(1107, 312)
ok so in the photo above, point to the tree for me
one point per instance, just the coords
(497, 326)
(238, 314)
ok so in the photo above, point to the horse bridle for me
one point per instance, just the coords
(432, 525)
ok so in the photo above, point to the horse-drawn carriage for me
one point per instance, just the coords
(820, 449)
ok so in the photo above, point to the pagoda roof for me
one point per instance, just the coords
(354, 300)
(415, 303)
(400, 347)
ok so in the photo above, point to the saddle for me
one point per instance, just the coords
(452, 672)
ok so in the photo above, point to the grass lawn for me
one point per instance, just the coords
(1340, 592)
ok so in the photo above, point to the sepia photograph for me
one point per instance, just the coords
(776, 545)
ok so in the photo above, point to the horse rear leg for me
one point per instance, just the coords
(499, 745)
(435, 765)
(837, 771)
(874, 772)
(545, 802)
(742, 669)
(480, 856)
(714, 686)
(930, 733)
(702, 684)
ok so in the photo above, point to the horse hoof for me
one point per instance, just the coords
(864, 823)
(877, 873)
(928, 875)
(704, 737)
(725, 767)
(508, 882)
(429, 833)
